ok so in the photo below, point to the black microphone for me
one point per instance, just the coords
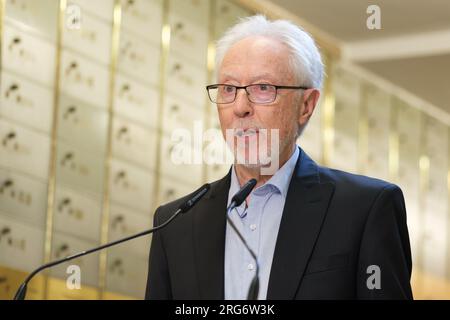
(236, 201)
(242, 194)
(184, 207)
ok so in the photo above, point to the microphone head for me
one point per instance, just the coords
(197, 195)
(243, 193)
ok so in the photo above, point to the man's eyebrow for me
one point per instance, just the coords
(264, 75)
(228, 76)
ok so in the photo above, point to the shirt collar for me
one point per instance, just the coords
(279, 182)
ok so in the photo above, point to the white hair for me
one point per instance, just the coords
(305, 57)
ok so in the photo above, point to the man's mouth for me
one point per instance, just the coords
(246, 132)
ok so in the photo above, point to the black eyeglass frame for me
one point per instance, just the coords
(216, 86)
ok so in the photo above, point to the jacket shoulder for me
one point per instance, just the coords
(352, 181)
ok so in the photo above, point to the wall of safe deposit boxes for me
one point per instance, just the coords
(87, 110)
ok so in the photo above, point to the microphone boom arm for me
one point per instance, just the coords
(184, 207)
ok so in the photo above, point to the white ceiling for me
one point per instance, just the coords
(411, 50)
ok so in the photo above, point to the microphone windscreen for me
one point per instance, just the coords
(197, 195)
(244, 192)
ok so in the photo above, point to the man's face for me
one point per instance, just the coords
(260, 60)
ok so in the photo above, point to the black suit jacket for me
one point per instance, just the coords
(334, 226)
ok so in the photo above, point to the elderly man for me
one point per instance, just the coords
(318, 233)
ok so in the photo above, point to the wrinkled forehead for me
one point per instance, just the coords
(256, 58)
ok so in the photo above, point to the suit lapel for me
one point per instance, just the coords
(209, 240)
(304, 212)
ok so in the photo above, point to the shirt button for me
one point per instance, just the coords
(250, 267)
(253, 227)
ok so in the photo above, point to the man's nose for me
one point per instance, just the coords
(242, 106)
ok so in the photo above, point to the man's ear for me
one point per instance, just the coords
(309, 102)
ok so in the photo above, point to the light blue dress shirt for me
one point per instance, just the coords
(258, 224)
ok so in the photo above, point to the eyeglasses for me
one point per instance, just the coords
(261, 93)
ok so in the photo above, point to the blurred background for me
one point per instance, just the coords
(91, 92)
